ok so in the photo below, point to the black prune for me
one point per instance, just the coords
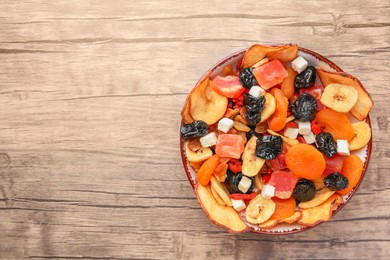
(304, 108)
(304, 190)
(253, 133)
(253, 107)
(269, 147)
(233, 180)
(247, 78)
(306, 78)
(195, 129)
(336, 181)
(326, 144)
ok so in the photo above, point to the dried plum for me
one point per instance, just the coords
(247, 78)
(252, 133)
(336, 181)
(304, 190)
(304, 108)
(326, 144)
(195, 129)
(233, 180)
(253, 107)
(269, 147)
(306, 78)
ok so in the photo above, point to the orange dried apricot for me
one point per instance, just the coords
(284, 208)
(207, 169)
(278, 120)
(305, 161)
(352, 169)
(335, 123)
(287, 85)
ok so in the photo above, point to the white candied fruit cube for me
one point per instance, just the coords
(244, 184)
(304, 128)
(291, 133)
(256, 91)
(208, 140)
(225, 124)
(343, 147)
(268, 191)
(299, 64)
(238, 205)
(310, 139)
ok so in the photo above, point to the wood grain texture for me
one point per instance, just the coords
(90, 96)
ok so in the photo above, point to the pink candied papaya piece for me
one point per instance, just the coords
(229, 86)
(270, 74)
(229, 145)
(284, 183)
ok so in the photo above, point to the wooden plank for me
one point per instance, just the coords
(90, 97)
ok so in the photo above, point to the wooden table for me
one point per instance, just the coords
(90, 96)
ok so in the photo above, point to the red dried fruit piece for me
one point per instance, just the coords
(333, 164)
(284, 183)
(270, 74)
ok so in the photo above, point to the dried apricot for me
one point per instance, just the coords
(287, 85)
(352, 169)
(206, 170)
(335, 123)
(284, 208)
(278, 120)
(305, 161)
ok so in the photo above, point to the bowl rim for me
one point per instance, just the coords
(367, 120)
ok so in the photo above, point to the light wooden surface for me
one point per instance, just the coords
(90, 96)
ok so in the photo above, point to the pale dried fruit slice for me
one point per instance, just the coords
(259, 182)
(364, 104)
(340, 98)
(287, 140)
(206, 104)
(241, 127)
(261, 62)
(259, 210)
(221, 215)
(269, 107)
(285, 54)
(216, 196)
(256, 53)
(221, 190)
(323, 212)
(319, 183)
(251, 164)
(294, 217)
(202, 154)
(269, 223)
(318, 199)
(362, 135)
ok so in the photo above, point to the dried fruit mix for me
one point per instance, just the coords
(267, 139)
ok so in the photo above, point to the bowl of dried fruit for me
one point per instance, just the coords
(275, 139)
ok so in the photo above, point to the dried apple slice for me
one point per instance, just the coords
(323, 212)
(294, 217)
(269, 223)
(202, 154)
(364, 104)
(287, 53)
(206, 104)
(216, 196)
(223, 216)
(251, 164)
(256, 53)
(318, 199)
(221, 190)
